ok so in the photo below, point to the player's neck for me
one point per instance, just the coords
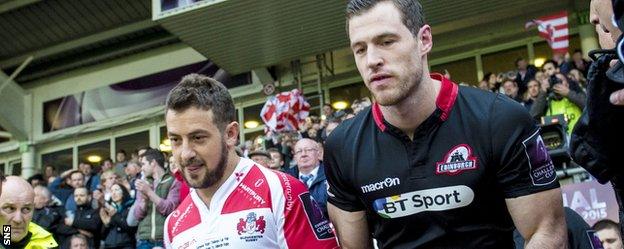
(206, 194)
(408, 114)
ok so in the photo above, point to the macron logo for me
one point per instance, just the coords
(388, 182)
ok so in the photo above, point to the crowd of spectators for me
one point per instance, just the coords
(557, 88)
(119, 204)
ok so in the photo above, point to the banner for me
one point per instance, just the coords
(126, 97)
(592, 200)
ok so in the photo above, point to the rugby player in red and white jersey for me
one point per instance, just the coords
(233, 203)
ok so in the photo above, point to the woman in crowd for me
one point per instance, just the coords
(103, 193)
(117, 233)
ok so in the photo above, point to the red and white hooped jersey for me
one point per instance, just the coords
(254, 208)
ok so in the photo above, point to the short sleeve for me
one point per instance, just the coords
(166, 239)
(340, 193)
(524, 165)
(304, 224)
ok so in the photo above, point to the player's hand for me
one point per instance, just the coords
(561, 90)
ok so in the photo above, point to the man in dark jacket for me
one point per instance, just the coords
(311, 171)
(85, 220)
(596, 139)
(49, 215)
(525, 73)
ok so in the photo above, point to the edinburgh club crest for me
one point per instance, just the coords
(458, 159)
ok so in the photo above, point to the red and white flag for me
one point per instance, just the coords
(553, 28)
(284, 111)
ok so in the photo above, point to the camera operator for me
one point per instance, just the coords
(560, 97)
(596, 139)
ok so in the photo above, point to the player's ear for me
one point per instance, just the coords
(425, 39)
(231, 134)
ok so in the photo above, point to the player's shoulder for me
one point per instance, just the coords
(285, 180)
(490, 105)
(185, 216)
(476, 98)
(277, 181)
(350, 129)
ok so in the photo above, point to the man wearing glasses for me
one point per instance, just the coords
(310, 171)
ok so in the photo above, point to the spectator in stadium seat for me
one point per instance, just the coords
(36, 180)
(261, 157)
(579, 63)
(492, 82)
(311, 171)
(49, 172)
(120, 160)
(133, 172)
(609, 233)
(49, 215)
(277, 159)
(157, 196)
(85, 220)
(73, 179)
(117, 233)
(79, 241)
(511, 90)
(578, 76)
(107, 164)
(533, 89)
(550, 68)
(92, 179)
(328, 111)
(525, 73)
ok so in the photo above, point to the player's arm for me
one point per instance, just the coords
(346, 211)
(540, 219)
(526, 176)
(351, 227)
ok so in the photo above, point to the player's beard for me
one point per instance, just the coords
(211, 177)
(404, 89)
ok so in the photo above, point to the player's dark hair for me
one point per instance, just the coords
(200, 91)
(411, 12)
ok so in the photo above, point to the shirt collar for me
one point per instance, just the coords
(444, 102)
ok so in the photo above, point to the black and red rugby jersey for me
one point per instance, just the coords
(446, 187)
